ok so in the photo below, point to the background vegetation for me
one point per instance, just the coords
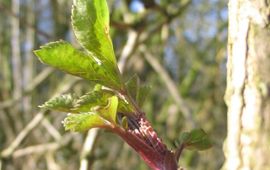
(177, 47)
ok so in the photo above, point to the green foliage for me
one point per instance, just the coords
(102, 117)
(98, 103)
(63, 103)
(63, 56)
(197, 139)
(125, 107)
(109, 112)
(97, 63)
(83, 121)
(90, 21)
(92, 101)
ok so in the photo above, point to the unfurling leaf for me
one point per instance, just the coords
(63, 56)
(83, 121)
(105, 116)
(63, 103)
(109, 112)
(92, 101)
(98, 99)
(125, 107)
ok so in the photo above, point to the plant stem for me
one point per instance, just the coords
(148, 154)
(179, 151)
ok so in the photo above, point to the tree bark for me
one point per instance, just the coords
(248, 86)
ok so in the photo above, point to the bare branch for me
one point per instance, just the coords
(0, 164)
(172, 88)
(5, 9)
(42, 148)
(30, 87)
(51, 163)
(16, 60)
(50, 128)
(88, 148)
(128, 49)
(34, 122)
(38, 149)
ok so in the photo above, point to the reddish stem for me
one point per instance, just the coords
(155, 159)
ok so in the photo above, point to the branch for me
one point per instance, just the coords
(16, 61)
(128, 49)
(179, 152)
(88, 148)
(120, 25)
(34, 122)
(5, 9)
(31, 86)
(171, 86)
(51, 163)
(170, 17)
(42, 148)
(52, 131)
(38, 149)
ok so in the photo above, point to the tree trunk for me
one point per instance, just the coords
(248, 86)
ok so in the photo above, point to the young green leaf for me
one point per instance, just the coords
(197, 139)
(63, 56)
(63, 103)
(125, 107)
(83, 121)
(92, 100)
(90, 21)
(110, 111)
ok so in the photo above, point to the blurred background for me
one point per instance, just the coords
(176, 46)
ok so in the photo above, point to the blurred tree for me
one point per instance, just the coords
(248, 85)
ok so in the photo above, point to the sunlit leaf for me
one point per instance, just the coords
(90, 20)
(63, 103)
(125, 107)
(63, 56)
(92, 101)
(83, 121)
(110, 111)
